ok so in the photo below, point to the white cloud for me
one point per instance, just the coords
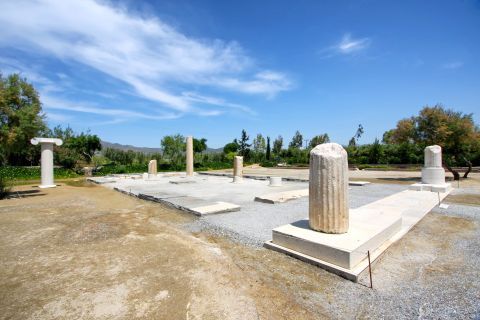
(53, 103)
(346, 46)
(349, 45)
(195, 97)
(453, 65)
(156, 60)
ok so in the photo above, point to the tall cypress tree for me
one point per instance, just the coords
(268, 148)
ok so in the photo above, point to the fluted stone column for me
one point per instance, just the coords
(46, 166)
(189, 153)
(152, 168)
(237, 169)
(328, 189)
(433, 172)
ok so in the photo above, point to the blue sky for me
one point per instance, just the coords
(134, 71)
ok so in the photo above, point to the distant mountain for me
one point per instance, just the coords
(125, 147)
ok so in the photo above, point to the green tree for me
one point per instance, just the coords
(231, 147)
(375, 152)
(454, 131)
(85, 144)
(267, 155)
(199, 145)
(277, 145)
(21, 119)
(297, 141)
(358, 134)
(244, 146)
(323, 138)
(259, 147)
(173, 147)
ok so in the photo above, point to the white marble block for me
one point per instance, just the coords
(433, 172)
(47, 160)
(328, 189)
(237, 169)
(275, 182)
(189, 153)
(152, 167)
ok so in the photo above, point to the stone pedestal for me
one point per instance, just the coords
(433, 172)
(238, 169)
(328, 189)
(275, 182)
(189, 156)
(152, 168)
(46, 160)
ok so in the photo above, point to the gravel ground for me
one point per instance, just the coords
(431, 273)
(253, 224)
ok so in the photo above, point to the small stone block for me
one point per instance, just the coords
(219, 207)
(280, 197)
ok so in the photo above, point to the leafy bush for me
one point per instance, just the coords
(268, 164)
(4, 188)
(33, 173)
(119, 169)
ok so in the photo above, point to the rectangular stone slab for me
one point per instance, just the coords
(155, 196)
(280, 197)
(368, 230)
(194, 205)
(442, 188)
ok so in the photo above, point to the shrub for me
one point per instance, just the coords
(4, 188)
(33, 173)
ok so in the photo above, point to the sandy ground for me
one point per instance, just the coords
(85, 252)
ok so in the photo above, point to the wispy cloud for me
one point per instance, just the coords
(156, 60)
(346, 46)
(119, 115)
(57, 117)
(453, 65)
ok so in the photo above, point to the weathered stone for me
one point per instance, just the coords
(152, 167)
(46, 160)
(328, 189)
(237, 169)
(433, 156)
(275, 182)
(433, 172)
(189, 153)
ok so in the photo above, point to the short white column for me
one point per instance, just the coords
(189, 157)
(433, 172)
(46, 165)
(237, 169)
(152, 168)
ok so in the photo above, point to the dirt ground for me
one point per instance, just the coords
(82, 251)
